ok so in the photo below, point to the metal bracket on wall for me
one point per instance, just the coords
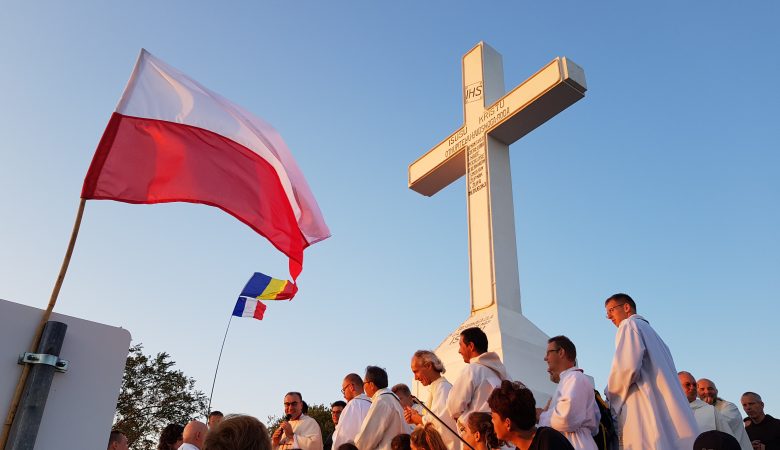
(60, 365)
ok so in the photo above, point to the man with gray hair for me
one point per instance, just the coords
(428, 369)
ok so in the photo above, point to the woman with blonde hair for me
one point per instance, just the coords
(479, 432)
(426, 438)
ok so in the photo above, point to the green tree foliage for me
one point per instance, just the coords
(320, 413)
(154, 395)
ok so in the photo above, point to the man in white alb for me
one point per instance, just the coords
(354, 413)
(707, 417)
(429, 370)
(643, 391)
(385, 418)
(299, 431)
(708, 392)
(572, 410)
(483, 373)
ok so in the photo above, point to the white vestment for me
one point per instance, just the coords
(475, 384)
(351, 420)
(644, 392)
(573, 410)
(731, 413)
(306, 435)
(438, 392)
(384, 421)
(708, 418)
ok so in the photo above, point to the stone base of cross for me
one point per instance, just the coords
(479, 149)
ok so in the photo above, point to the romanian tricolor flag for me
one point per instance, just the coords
(263, 287)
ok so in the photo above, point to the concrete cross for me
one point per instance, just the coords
(480, 149)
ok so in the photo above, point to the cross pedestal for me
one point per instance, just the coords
(494, 119)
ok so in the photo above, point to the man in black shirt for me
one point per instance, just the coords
(763, 430)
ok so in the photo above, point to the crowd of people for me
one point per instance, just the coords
(648, 405)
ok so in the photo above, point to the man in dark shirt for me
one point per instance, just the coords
(763, 430)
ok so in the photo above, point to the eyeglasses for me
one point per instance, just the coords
(553, 350)
(344, 389)
(290, 403)
(609, 310)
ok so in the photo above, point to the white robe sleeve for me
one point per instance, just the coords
(626, 365)
(307, 435)
(349, 425)
(460, 394)
(373, 428)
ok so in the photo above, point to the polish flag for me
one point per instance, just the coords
(172, 140)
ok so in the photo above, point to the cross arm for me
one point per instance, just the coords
(554, 88)
(443, 164)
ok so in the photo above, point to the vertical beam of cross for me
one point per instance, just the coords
(480, 150)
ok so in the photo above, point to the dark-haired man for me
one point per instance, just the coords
(513, 409)
(385, 418)
(572, 410)
(763, 430)
(215, 417)
(643, 390)
(483, 373)
(336, 409)
(355, 412)
(117, 441)
(300, 431)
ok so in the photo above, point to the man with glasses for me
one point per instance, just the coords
(354, 413)
(385, 418)
(299, 431)
(572, 410)
(643, 390)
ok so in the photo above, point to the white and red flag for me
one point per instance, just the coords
(172, 140)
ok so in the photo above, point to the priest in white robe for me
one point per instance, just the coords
(300, 431)
(484, 372)
(643, 390)
(385, 418)
(572, 410)
(354, 413)
(708, 392)
(428, 370)
(707, 417)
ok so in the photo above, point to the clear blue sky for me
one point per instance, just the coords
(663, 182)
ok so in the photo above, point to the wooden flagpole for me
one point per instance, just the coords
(54, 294)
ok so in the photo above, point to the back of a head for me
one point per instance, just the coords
(114, 436)
(476, 336)
(482, 422)
(169, 436)
(376, 375)
(515, 402)
(401, 442)
(347, 446)
(716, 440)
(401, 389)
(427, 438)
(238, 432)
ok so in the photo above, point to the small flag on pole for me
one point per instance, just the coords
(263, 287)
(247, 307)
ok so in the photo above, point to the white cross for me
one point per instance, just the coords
(480, 148)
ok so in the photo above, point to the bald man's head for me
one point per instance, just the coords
(707, 390)
(195, 433)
